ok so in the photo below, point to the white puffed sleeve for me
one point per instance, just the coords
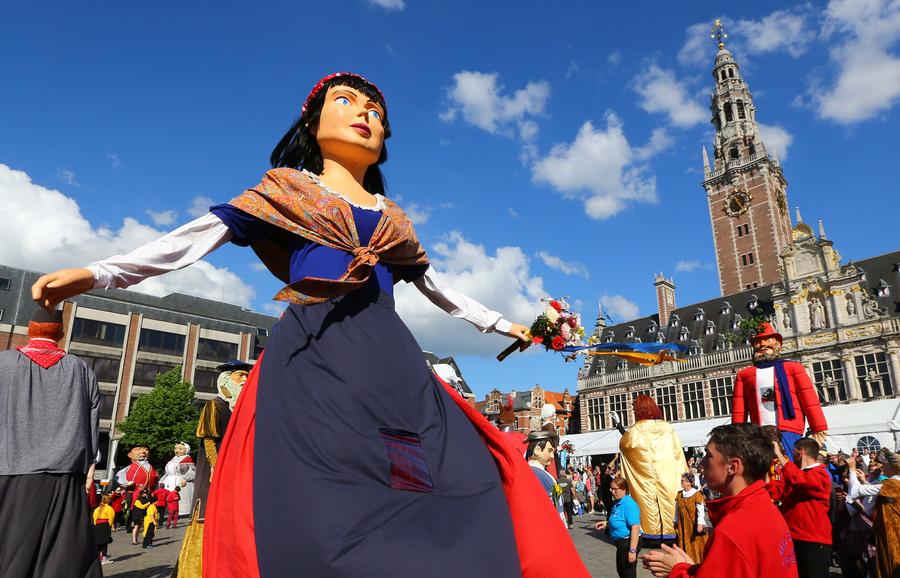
(176, 250)
(460, 306)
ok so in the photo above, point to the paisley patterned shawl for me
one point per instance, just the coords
(295, 204)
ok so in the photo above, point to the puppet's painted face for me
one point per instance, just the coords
(180, 449)
(239, 376)
(766, 349)
(139, 454)
(543, 454)
(350, 127)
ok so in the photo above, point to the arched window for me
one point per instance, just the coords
(723, 74)
(733, 152)
(868, 442)
(740, 107)
(729, 114)
(730, 73)
(751, 148)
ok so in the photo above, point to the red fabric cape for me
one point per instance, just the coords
(229, 542)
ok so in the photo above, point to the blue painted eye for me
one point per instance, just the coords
(343, 100)
(375, 114)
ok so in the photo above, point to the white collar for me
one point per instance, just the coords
(689, 493)
(811, 466)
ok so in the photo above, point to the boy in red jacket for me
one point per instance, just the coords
(804, 491)
(750, 539)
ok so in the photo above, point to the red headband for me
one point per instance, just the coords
(322, 82)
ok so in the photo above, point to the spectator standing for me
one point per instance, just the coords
(117, 501)
(690, 519)
(138, 512)
(605, 490)
(161, 495)
(104, 519)
(151, 521)
(589, 488)
(886, 527)
(750, 537)
(624, 528)
(565, 485)
(173, 502)
(805, 494)
(49, 434)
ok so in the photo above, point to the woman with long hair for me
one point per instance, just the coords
(342, 438)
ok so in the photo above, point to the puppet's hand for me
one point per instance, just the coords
(820, 437)
(52, 288)
(520, 332)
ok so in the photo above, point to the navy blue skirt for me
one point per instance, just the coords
(363, 464)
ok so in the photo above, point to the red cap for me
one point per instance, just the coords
(765, 331)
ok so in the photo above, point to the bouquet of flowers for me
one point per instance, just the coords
(556, 328)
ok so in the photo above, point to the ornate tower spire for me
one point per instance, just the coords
(746, 189)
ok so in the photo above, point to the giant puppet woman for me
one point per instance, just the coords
(359, 461)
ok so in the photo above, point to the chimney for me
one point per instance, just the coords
(665, 298)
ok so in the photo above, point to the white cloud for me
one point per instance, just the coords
(599, 167)
(614, 58)
(113, 160)
(565, 267)
(659, 141)
(698, 48)
(274, 308)
(776, 138)
(661, 92)
(501, 281)
(691, 266)
(862, 34)
(390, 5)
(619, 308)
(786, 30)
(200, 206)
(162, 218)
(67, 176)
(513, 213)
(258, 267)
(481, 101)
(49, 232)
(418, 214)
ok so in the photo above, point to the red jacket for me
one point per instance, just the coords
(750, 539)
(161, 495)
(803, 394)
(804, 495)
(172, 501)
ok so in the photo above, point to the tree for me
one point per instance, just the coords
(161, 418)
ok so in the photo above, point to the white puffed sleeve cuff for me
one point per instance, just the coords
(460, 306)
(176, 250)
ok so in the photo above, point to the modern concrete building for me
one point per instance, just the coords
(128, 338)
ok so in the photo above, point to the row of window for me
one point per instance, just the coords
(828, 376)
(747, 259)
(743, 230)
(150, 340)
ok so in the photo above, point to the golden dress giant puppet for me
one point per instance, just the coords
(652, 464)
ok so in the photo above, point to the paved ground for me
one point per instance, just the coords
(135, 562)
(597, 553)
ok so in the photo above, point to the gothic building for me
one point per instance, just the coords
(745, 187)
(841, 321)
(526, 407)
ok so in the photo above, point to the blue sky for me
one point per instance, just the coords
(542, 149)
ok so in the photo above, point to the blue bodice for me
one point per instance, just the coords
(309, 259)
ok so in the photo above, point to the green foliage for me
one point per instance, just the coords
(747, 328)
(162, 417)
(542, 326)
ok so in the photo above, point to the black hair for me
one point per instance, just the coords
(748, 443)
(298, 148)
(535, 444)
(808, 446)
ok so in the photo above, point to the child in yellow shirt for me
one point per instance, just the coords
(151, 521)
(104, 517)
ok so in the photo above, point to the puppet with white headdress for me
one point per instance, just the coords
(180, 473)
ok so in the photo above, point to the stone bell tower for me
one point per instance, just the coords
(745, 187)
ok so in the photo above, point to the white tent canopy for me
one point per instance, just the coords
(847, 424)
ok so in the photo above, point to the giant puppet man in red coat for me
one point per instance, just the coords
(777, 392)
